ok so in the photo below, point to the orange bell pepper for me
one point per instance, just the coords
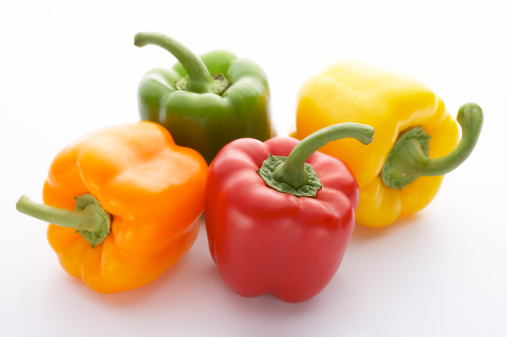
(137, 198)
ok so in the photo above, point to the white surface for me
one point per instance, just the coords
(67, 69)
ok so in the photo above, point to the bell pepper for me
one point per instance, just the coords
(205, 102)
(279, 215)
(416, 140)
(124, 205)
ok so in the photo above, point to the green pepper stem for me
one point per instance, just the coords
(89, 218)
(200, 79)
(292, 171)
(409, 157)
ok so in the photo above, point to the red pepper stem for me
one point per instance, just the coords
(199, 78)
(89, 218)
(292, 171)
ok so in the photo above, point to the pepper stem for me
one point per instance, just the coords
(292, 175)
(200, 80)
(89, 219)
(409, 159)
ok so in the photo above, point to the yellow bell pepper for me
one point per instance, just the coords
(398, 182)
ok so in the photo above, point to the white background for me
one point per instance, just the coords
(69, 67)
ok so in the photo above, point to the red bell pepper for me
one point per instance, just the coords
(275, 224)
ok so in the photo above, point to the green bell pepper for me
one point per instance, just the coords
(205, 102)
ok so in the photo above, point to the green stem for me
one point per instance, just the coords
(199, 78)
(409, 157)
(292, 175)
(89, 219)
(292, 171)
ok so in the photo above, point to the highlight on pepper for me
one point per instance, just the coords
(279, 214)
(416, 141)
(123, 205)
(208, 101)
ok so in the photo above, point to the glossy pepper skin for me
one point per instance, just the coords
(393, 104)
(153, 191)
(264, 241)
(208, 101)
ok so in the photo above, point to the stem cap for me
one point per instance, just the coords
(103, 229)
(267, 172)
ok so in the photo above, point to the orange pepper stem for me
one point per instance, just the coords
(409, 159)
(292, 175)
(89, 219)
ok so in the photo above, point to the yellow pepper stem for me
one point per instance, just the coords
(409, 159)
(89, 218)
